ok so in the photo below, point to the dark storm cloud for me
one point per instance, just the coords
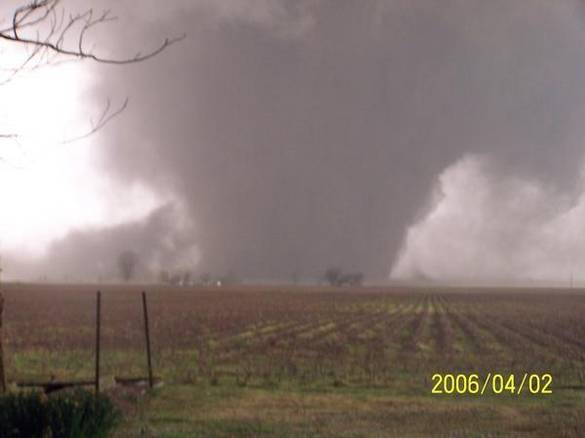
(306, 134)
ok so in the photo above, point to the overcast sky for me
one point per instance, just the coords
(404, 139)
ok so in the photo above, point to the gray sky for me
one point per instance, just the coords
(412, 138)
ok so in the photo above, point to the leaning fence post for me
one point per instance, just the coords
(97, 341)
(2, 375)
(147, 333)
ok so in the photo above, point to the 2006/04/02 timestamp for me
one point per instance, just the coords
(492, 383)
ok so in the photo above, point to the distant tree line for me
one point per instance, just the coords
(128, 261)
(336, 277)
(186, 278)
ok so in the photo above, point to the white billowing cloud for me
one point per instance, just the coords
(484, 226)
(163, 239)
(49, 188)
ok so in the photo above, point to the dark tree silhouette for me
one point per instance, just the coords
(186, 280)
(336, 277)
(164, 276)
(333, 276)
(127, 262)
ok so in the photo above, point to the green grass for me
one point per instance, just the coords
(312, 362)
(203, 410)
(328, 405)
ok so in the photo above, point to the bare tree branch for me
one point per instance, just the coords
(104, 119)
(41, 11)
(55, 36)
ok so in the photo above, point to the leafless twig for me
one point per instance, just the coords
(39, 12)
(106, 116)
(55, 36)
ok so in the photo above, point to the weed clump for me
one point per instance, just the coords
(70, 414)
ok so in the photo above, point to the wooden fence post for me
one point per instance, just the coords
(2, 375)
(147, 332)
(97, 342)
